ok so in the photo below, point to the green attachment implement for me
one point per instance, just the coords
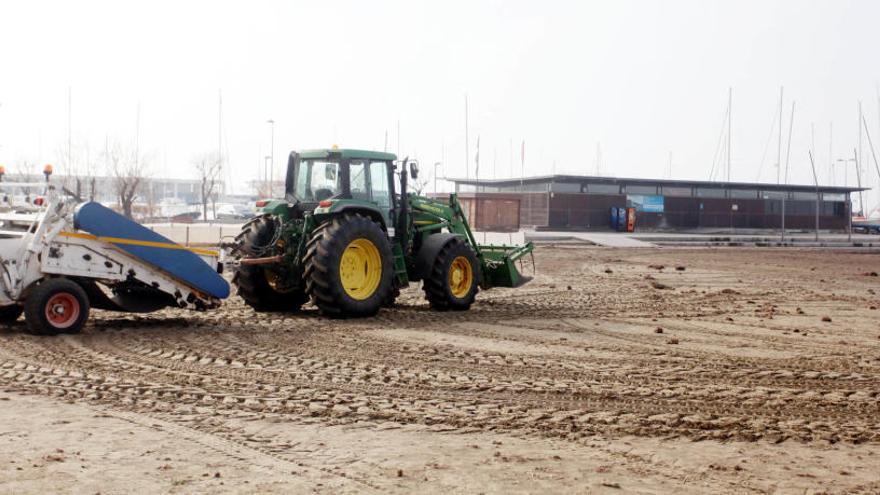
(499, 264)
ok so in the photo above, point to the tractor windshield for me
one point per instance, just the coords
(316, 180)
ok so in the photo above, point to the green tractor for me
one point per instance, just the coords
(346, 239)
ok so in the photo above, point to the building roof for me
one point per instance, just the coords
(648, 182)
(347, 153)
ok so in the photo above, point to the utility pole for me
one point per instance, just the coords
(830, 152)
(812, 137)
(385, 146)
(69, 130)
(779, 147)
(137, 137)
(271, 123)
(669, 168)
(467, 146)
(511, 158)
(219, 134)
(477, 160)
(788, 151)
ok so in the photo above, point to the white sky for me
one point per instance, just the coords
(643, 78)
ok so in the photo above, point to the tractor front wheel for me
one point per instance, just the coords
(56, 305)
(454, 279)
(349, 267)
(261, 288)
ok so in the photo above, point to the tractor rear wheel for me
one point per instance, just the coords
(348, 267)
(56, 305)
(260, 287)
(454, 279)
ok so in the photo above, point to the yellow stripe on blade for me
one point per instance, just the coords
(135, 242)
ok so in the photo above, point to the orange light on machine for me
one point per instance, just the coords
(39, 201)
(261, 203)
(325, 203)
(2, 172)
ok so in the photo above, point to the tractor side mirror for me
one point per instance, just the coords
(414, 170)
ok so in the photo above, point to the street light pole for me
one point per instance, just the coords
(266, 160)
(271, 157)
(436, 164)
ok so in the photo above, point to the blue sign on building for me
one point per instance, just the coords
(645, 203)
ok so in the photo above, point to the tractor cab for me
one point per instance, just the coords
(341, 178)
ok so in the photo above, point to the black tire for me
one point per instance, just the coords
(251, 281)
(437, 287)
(64, 299)
(8, 314)
(322, 266)
(391, 299)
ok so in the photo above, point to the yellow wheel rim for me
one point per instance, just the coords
(461, 277)
(360, 269)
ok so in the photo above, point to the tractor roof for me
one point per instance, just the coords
(347, 153)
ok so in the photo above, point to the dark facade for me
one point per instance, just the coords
(583, 203)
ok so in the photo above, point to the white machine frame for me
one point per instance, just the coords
(51, 246)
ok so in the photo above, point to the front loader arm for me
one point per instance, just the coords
(498, 263)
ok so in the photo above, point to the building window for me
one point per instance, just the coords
(804, 196)
(834, 196)
(633, 189)
(775, 194)
(566, 187)
(603, 189)
(743, 193)
(710, 192)
(676, 191)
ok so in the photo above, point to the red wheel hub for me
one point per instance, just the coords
(62, 310)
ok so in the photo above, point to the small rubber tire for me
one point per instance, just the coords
(437, 288)
(324, 253)
(8, 314)
(251, 281)
(56, 305)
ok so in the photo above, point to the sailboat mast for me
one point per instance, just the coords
(729, 130)
(779, 147)
(467, 156)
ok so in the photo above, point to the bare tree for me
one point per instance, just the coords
(128, 170)
(23, 171)
(207, 166)
(77, 168)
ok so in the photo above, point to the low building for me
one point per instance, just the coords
(570, 202)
